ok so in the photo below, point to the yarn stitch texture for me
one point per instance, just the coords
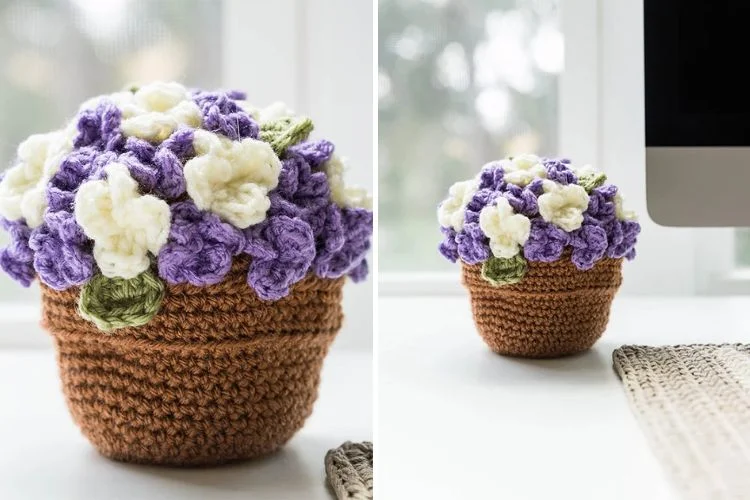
(349, 470)
(218, 375)
(181, 183)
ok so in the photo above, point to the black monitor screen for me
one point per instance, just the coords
(697, 63)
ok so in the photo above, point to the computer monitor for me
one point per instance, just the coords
(697, 94)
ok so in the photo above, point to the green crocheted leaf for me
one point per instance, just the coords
(284, 132)
(499, 272)
(592, 181)
(112, 303)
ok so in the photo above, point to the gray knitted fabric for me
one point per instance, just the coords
(693, 403)
(349, 470)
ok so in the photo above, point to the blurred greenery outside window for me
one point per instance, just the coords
(55, 54)
(460, 83)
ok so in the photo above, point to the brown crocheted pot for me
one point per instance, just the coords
(217, 375)
(555, 310)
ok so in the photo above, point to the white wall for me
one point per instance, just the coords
(317, 56)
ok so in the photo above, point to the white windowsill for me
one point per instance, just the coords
(493, 423)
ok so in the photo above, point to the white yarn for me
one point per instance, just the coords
(620, 211)
(22, 190)
(124, 225)
(563, 205)
(451, 212)
(231, 178)
(507, 231)
(523, 169)
(275, 111)
(155, 110)
(341, 194)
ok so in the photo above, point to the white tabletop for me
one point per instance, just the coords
(43, 456)
(457, 421)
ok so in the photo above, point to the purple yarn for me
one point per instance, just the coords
(546, 242)
(558, 170)
(492, 177)
(622, 236)
(62, 252)
(78, 167)
(221, 114)
(522, 200)
(589, 243)
(601, 209)
(472, 245)
(482, 198)
(448, 247)
(357, 230)
(315, 153)
(17, 259)
(200, 247)
(100, 127)
(283, 249)
(159, 170)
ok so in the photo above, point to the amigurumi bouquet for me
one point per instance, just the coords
(541, 244)
(191, 250)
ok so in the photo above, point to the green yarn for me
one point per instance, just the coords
(592, 181)
(113, 303)
(284, 132)
(499, 272)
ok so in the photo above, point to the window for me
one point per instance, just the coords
(104, 44)
(460, 84)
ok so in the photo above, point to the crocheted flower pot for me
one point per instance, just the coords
(541, 244)
(217, 375)
(556, 310)
(191, 251)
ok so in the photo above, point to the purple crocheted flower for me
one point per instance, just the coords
(283, 249)
(491, 177)
(589, 243)
(357, 230)
(79, 166)
(482, 198)
(315, 153)
(158, 169)
(558, 170)
(448, 247)
(522, 200)
(300, 185)
(546, 242)
(17, 258)
(622, 236)
(221, 114)
(601, 209)
(472, 244)
(200, 247)
(62, 252)
(100, 127)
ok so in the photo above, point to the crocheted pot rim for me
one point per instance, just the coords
(161, 394)
(557, 310)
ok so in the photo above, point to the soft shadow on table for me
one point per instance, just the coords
(292, 472)
(484, 367)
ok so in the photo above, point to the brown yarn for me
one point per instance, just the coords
(217, 375)
(555, 310)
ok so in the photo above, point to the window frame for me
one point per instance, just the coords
(578, 131)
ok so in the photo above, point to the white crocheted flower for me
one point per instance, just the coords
(341, 194)
(563, 205)
(124, 225)
(506, 230)
(451, 212)
(584, 170)
(22, 190)
(232, 178)
(620, 211)
(523, 169)
(155, 110)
